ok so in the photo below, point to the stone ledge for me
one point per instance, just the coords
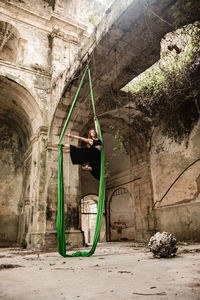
(74, 239)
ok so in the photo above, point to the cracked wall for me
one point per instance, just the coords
(11, 176)
(170, 159)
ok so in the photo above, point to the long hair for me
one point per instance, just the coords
(89, 136)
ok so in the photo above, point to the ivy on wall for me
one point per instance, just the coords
(169, 90)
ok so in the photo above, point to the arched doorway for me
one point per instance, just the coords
(122, 215)
(88, 219)
(19, 119)
(11, 178)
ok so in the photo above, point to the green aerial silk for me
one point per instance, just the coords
(61, 213)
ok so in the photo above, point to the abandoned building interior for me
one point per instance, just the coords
(144, 61)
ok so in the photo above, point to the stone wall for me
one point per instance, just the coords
(42, 44)
(72, 200)
(11, 176)
(170, 159)
(39, 60)
(122, 215)
(136, 181)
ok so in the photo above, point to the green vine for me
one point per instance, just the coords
(169, 90)
(182, 11)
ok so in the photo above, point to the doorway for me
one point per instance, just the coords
(89, 206)
(122, 216)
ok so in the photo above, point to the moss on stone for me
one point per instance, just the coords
(169, 91)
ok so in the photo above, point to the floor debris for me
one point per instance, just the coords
(152, 294)
(8, 266)
(123, 273)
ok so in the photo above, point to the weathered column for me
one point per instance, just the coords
(142, 191)
(74, 236)
(37, 228)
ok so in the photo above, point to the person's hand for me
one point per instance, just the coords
(68, 135)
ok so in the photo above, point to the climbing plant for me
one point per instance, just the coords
(183, 10)
(169, 90)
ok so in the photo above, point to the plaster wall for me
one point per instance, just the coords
(46, 45)
(168, 160)
(182, 220)
(72, 200)
(122, 216)
(131, 219)
(11, 176)
(33, 42)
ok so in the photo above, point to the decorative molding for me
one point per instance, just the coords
(42, 130)
(23, 68)
(42, 21)
(57, 32)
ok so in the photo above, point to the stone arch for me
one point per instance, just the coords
(78, 118)
(121, 215)
(20, 118)
(135, 145)
(9, 42)
(18, 104)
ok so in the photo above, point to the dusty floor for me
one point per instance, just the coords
(115, 271)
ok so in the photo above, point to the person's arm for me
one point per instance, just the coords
(88, 141)
(96, 127)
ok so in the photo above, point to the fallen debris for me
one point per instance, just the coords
(163, 245)
(124, 272)
(63, 269)
(197, 250)
(151, 294)
(8, 266)
(23, 253)
(4, 256)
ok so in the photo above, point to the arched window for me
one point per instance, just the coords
(9, 42)
(120, 191)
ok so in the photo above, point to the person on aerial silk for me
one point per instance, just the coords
(90, 157)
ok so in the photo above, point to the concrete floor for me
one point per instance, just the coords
(116, 271)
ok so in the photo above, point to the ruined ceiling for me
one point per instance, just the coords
(125, 44)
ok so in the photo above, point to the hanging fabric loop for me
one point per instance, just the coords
(61, 212)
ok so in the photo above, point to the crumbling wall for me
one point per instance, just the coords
(43, 40)
(122, 215)
(72, 200)
(130, 217)
(11, 176)
(175, 167)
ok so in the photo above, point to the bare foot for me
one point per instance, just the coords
(86, 168)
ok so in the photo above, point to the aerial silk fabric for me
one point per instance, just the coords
(61, 212)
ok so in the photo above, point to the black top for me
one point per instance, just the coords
(96, 143)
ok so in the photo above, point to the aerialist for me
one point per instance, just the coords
(89, 158)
